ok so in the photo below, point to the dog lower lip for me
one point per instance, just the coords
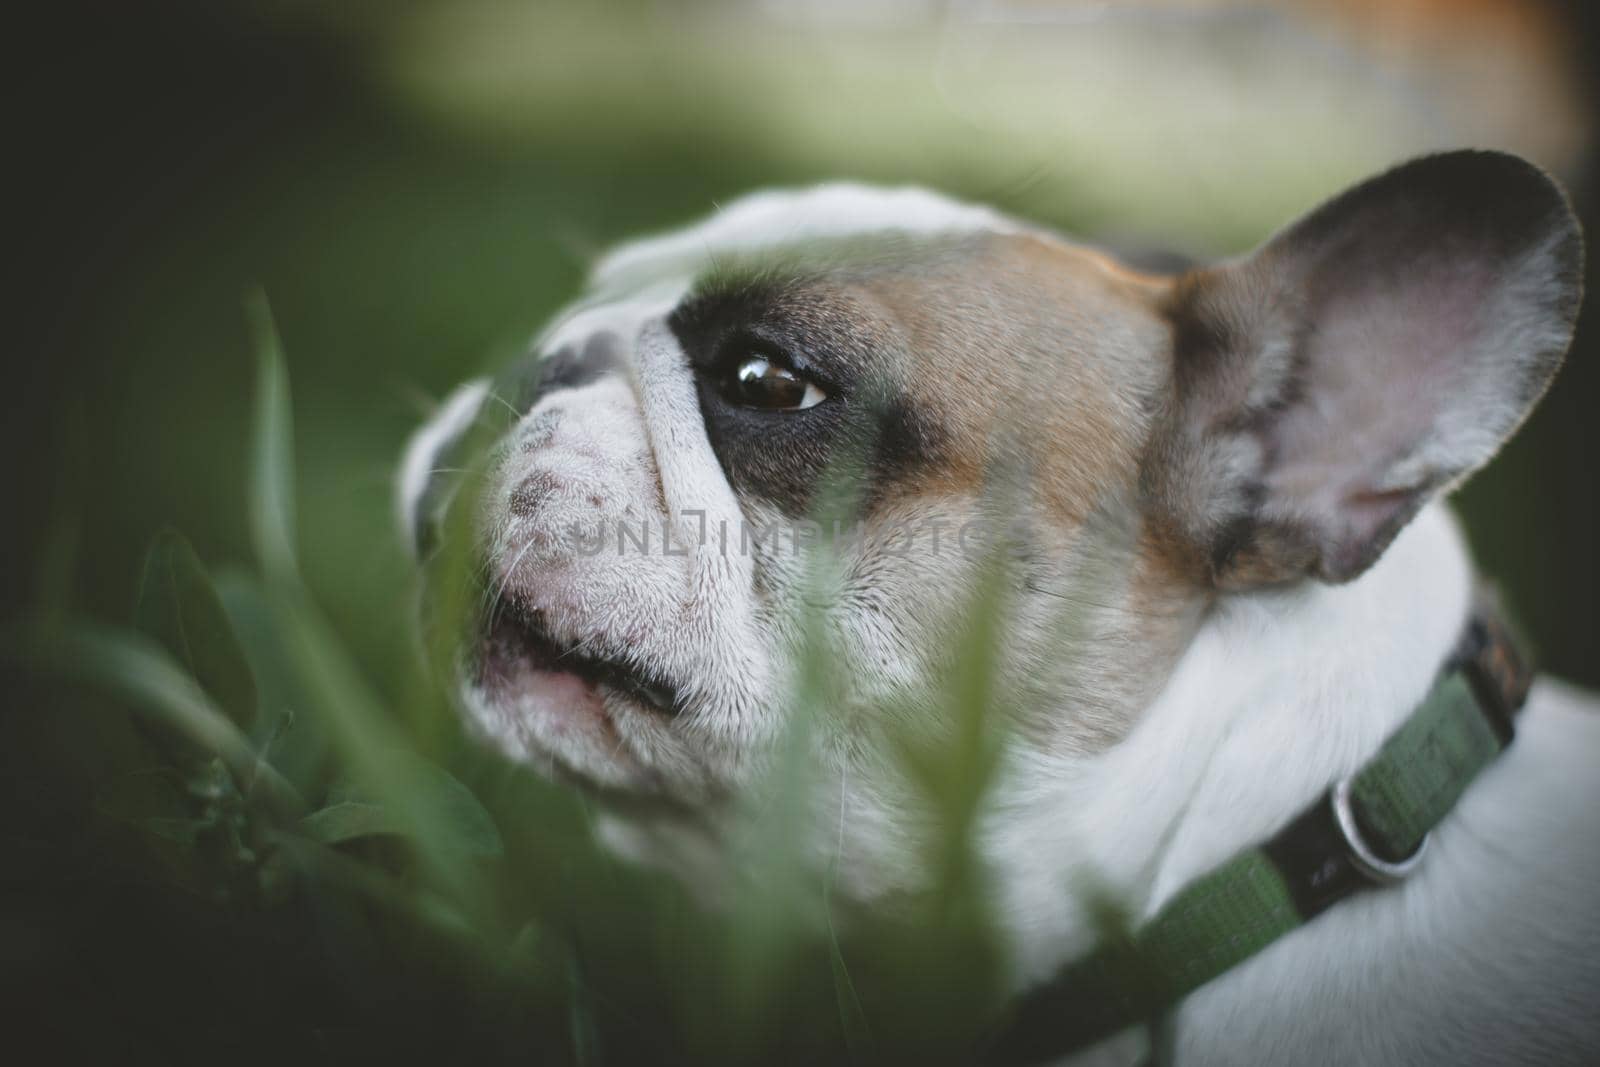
(512, 630)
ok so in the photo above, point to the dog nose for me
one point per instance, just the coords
(532, 492)
(571, 366)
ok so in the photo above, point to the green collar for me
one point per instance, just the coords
(1371, 829)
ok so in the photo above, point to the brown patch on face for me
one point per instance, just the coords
(959, 360)
(1053, 363)
(1168, 594)
(1114, 603)
(1036, 358)
(1170, 573)
(1013, 368)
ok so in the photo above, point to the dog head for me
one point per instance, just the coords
(815, 444)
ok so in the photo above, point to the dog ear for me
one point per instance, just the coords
(1364, 359)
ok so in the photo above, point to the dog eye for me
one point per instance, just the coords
(757, 382)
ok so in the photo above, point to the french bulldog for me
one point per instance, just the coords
(805, 429)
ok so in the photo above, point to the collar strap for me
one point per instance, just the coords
(1370, 829)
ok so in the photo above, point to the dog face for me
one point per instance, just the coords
(799, 448)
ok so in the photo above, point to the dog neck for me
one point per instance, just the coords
(1279, 694)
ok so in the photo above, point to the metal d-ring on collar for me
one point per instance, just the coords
(1362, 856)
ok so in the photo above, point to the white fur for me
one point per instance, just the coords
(768, 219)
(644, 279)
(422, 451)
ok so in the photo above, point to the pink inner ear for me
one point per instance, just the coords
(1381, 370)
(1376, 350)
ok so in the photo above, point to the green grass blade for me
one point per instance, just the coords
(178, 606)
(272, 513)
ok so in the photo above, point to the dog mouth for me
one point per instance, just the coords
(517, 643)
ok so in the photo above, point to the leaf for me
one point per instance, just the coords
(285, 734)
(363, 736)
(338, 876)
(348, 820)
(142, 672)
(456, 818)
(178, 606)
(581, 1024)
(438, 807)
(272, 517)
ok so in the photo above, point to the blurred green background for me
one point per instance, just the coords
(416, 186)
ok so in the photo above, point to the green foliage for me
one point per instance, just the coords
(179, 609)
(377, 857)
(464, 826)
(272, 502)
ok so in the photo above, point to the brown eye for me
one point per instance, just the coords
(758, 382)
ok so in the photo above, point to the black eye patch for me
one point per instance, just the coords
(781, 457)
